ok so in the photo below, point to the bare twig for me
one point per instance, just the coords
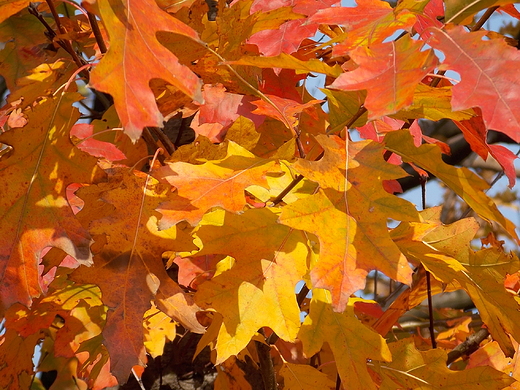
(97, 32)
(467, 347)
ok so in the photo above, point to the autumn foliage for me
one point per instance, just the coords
(279, 211)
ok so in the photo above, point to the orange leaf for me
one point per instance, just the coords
(214, 183)
(369, 23)
(132, 256)
(349, 216)
(284, 110)
(35, 211)
(413, 369)
(389, 72)
(135, 57)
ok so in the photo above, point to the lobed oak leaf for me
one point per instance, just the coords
(445, 251)
(219, 183)
(133, 255)
(465, 183)
(16, 368)
(258, 290)
(434, 104)
(351, 342)
(430, 16)
(411, 368)
(219, 111)
(483, 84)
(287, 37)
(389, 72)
(135, 57)
(35, 211)
(349, 215)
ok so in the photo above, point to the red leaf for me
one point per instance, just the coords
(93, 146)
(285, 108)
(135, 57)
(475, 132)
(489, 77)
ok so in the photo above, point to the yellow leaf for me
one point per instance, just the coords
(259, 289)
(303, 377)
(159, 327)
(351, 342)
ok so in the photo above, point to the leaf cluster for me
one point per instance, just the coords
(207, 192)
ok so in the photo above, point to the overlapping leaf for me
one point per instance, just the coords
(125, 215)
(135, 57)
(389, 72)
(465, 183)
(215, 183)
(416, 369)
(35, 211)
(351, 342)
(440, 248)
(349, 214)
(367, 24)
(259, 289)
(483, 84)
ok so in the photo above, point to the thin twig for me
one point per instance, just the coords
(97, 32)
(467, 347)
(484, 18)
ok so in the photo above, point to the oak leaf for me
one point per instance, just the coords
(482, 274)
(475, 132)
(369, 23)
(349, 215)
(133, 255)
(351, 342)
(135, 57)
(219, 183)
(482, 84)
(35, 210)
(389, 72)
(258, 290)
(287, 37)
(465, 183)
(304, 377)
